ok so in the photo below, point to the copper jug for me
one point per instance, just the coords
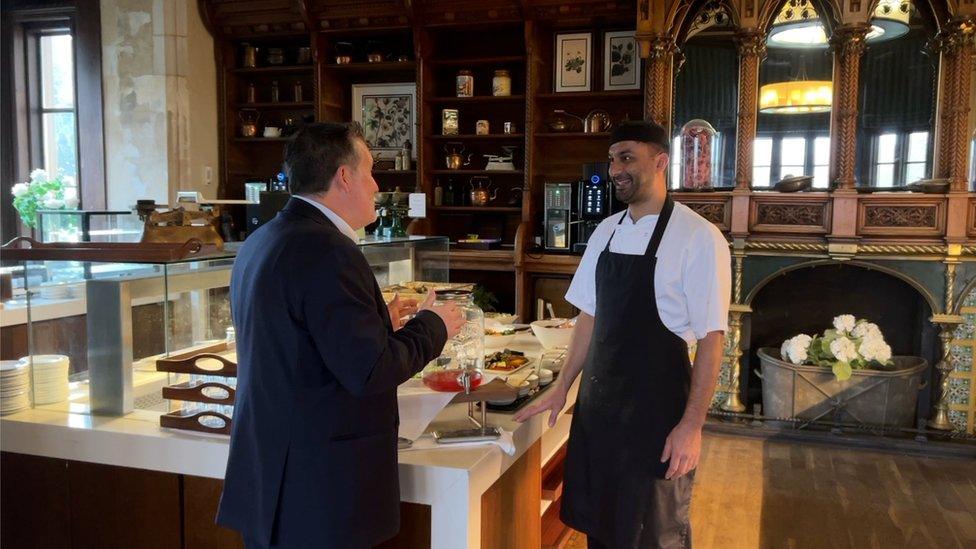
(479, 193)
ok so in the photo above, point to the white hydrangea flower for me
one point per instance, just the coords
(53, 204)
(844, 323)
(866, 329)
(38, 176)
(875, 349)
(68, 181)
(843, 349)
(20, 189)
(71, 202)
(795, 349)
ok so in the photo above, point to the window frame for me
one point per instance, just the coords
(22, 145)
(901, 155)
(775, 160)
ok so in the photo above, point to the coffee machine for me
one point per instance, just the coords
(558, 212)
(592, 202)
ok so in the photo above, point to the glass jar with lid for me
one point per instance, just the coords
(465, 83)
(501, 84)
(697, 138)
(463, 358)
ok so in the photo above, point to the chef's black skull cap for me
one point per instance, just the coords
(643, 131)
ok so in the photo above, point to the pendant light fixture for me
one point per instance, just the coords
(798, 24)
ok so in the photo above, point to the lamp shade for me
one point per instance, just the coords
(796, 97)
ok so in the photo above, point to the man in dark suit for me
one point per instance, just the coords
(313, 449)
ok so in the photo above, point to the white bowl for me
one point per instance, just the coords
(550, 337)
(545, 377)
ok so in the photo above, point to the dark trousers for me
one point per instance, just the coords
(667, 525)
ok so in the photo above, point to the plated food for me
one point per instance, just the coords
(506, 361)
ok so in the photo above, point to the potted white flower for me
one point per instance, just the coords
(849, 367)
(43, 192)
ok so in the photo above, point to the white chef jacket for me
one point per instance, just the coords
(692, 280)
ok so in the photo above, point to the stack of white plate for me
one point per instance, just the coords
(49, 376)
(14, 386)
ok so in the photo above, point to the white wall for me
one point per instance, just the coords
(160, 100)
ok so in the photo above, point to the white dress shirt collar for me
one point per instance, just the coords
(339, 222)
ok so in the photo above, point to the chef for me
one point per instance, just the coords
(655, 279)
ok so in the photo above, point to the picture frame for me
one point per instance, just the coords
(573, 62)
(388, 114)
(621, 61)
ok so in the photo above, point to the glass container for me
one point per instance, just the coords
(697, 137)
(465, 352)
(465, 83)
(501, 83)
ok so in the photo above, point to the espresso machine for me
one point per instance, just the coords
(558, 212)
(592, 203)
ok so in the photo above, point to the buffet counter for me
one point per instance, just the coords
(453, 481)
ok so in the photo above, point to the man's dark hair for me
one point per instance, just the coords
(315, 153)
(643, 131)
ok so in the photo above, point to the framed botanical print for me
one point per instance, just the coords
(573, 62)
(388, 114)
(621, 61)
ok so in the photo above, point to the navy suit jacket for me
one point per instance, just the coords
(313, 448)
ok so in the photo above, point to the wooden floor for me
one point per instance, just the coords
(753, 493)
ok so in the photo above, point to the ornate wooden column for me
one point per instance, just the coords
(752, 51)
(957, 47)
(847, 43)
(659, 80)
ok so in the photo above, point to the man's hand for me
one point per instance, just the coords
(450, 313)
(400, 308)
(553, 402)
(683, 447)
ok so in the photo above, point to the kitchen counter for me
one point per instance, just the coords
(451, 480)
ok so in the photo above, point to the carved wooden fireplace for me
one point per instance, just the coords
(903, 260)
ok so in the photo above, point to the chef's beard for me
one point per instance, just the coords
(629, 193)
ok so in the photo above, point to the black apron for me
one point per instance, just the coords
(633, 391)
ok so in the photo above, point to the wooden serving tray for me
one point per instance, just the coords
(24, 248)
(496, 390)
(188, 365)
(191, 422)
(191, 392)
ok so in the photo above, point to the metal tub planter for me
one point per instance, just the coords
(884, 398)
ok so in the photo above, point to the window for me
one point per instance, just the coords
(762, 161)
(821, 162)
(900, 158)
(676, 162)
(777, 156)
(55, 122)
(52, 90)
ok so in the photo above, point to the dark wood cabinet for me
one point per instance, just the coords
(34, 502)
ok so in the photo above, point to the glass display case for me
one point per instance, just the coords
(88, 226)
(101, 336)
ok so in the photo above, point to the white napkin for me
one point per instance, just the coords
(419, 405)
(504, 442)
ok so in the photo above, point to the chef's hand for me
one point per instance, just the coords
(450, 313)
(554, 402)
(682, 447)
(400, 308)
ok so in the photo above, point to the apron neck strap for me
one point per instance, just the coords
(658, 233)
(662, 223)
